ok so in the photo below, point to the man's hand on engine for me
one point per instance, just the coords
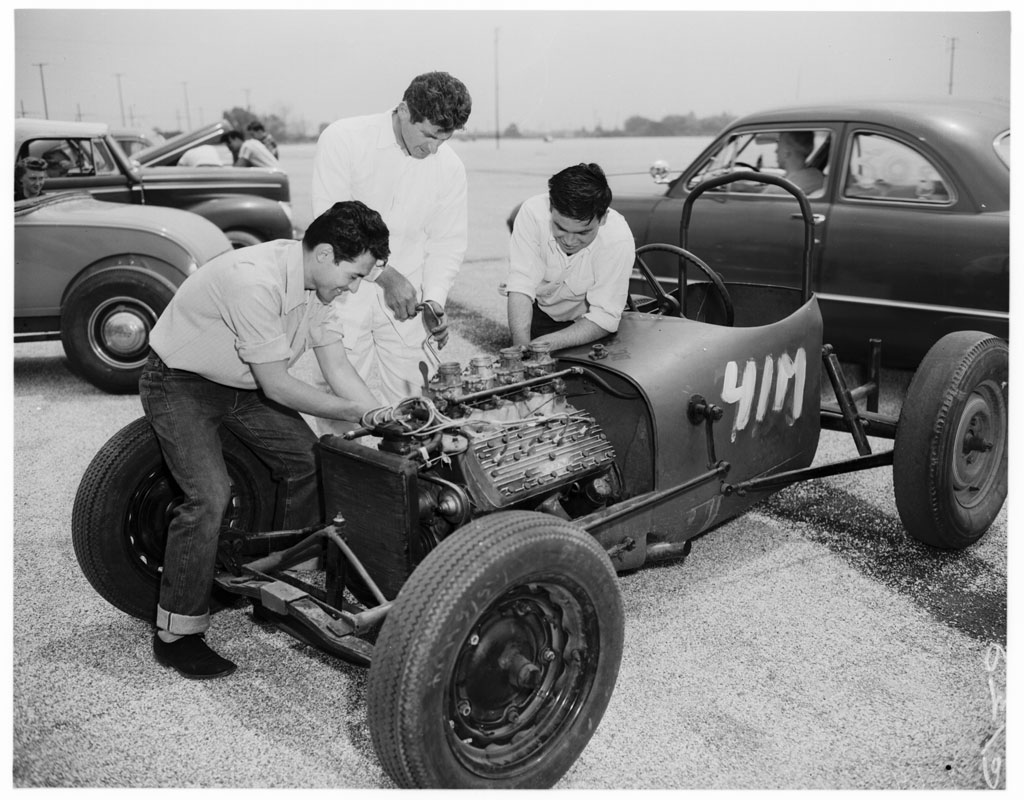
(399, 294)
(435, 321)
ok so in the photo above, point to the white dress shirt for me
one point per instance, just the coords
(422, 201)
(592, 283)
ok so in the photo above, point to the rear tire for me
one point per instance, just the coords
(105, 324)
(240, 239)
(124, 504)
(950, 454)
(497, 661)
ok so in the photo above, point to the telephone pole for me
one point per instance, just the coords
(952, 52)
(188, 114)
(497, 127)
(42, 80)
(120, 96)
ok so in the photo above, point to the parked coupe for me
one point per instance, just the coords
(97, 275)
(912, 221)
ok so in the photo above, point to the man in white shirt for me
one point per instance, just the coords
(396, 162)
(251, 153)
(570, 259)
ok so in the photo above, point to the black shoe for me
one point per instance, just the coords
(192, 657)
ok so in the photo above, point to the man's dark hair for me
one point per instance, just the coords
(440, 99)
(351, 228)
(580, 192)
(232, 134)
(254, 126)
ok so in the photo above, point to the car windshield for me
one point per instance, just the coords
(1002, 146)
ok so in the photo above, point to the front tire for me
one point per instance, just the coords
(497, 661)
(105, 325)
(125, 501)
(950, 454)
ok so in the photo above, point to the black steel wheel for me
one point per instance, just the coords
(124, 504)
(105, 324)
(950, 455)
(496, 664)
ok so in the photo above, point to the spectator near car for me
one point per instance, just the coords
(250, 206)
(248, 152)
(256, 131)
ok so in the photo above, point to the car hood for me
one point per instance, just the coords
(170, 151)
(197, 235)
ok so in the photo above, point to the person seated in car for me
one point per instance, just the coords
(570, 259)
(792, 151)
(29, 178)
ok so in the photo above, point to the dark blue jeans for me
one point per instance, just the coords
(187, 412)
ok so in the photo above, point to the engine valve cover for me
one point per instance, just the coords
(506, 465)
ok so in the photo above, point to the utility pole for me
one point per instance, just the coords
(42, 80)
(952, 52)
(188, 114)
(78, 111)
(248, 105)
(120, 96)
(497, 126)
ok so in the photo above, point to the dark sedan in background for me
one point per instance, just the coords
(912, 223)
(250, 205)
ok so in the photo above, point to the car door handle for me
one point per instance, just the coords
(816, 219)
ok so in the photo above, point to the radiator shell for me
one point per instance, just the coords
(376, 494)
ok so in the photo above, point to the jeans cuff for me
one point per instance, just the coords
(180, 624)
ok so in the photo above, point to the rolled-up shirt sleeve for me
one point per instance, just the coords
(526, 265)
(326, 327)
(254, 314)
(606, 299)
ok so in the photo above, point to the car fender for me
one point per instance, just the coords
(160, 270)
(246, 212)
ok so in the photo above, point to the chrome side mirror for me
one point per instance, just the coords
(659, 171)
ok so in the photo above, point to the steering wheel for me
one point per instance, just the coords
(745, 164)
(663, 302)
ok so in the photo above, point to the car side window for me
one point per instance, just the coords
(802, 156)
(883, 168)
(72, 157)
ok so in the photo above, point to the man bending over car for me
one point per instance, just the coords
(221, 354)
(570, 259)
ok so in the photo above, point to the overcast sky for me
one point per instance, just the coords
(539, 69)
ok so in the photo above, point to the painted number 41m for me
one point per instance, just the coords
(769, 387)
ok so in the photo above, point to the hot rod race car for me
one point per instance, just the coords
(470, 558)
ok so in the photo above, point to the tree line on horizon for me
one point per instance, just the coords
(279, 126)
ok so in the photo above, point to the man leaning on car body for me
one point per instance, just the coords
(570, 259)
(220, 357)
